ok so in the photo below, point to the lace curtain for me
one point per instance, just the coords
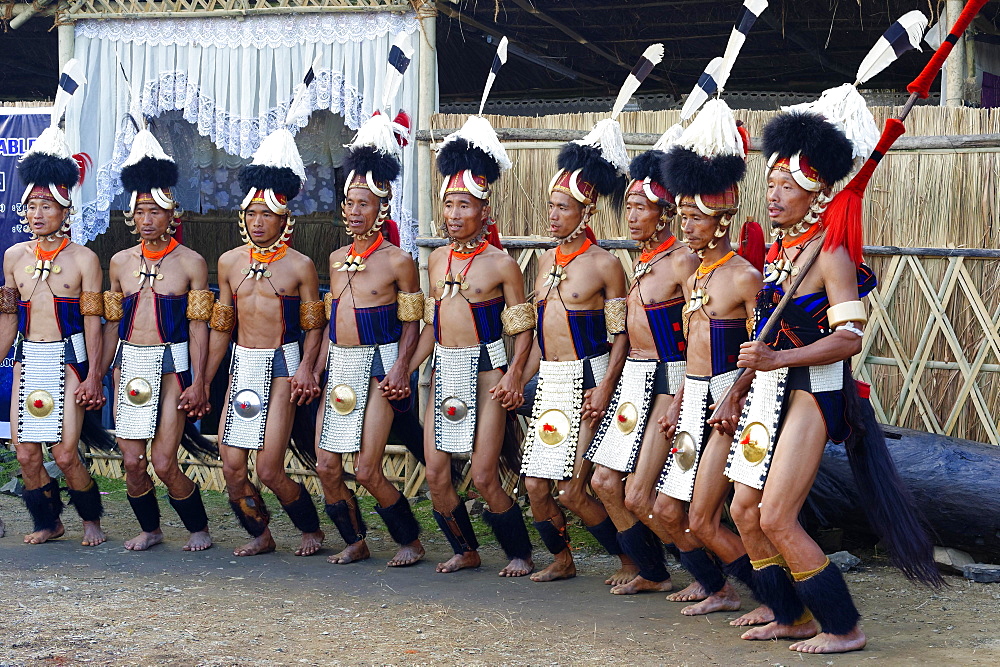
(232, 80)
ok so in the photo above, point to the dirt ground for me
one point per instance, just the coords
(64, 604)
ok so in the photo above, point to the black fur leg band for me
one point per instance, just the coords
(87, 502)
(347, 519)
(641, 545)
(741, 570)
(457, 528)
(511, 531)
(252, 513)
(191, 510)
(146, 510)
(825, 594)
(302, 511)
(774, 588)
(607, 535)
(399, 521)
(704, 570)
(555, 539)
(44, 505)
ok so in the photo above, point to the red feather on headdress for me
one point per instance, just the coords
(84, 162)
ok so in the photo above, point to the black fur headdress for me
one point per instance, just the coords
(827, 148)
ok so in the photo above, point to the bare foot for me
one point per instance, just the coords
(642, 585)
(562, 567)
(351, 553)
(518, 567)
(408, 554)
(626, 573)
(459, 562)
(311, 543)
(824, 642)
(198, 541)
(92, 534)
(726, 599)
(258, 545)
(759, 616)
(42, 536)
(774, 630)
(144, 540)
(692, 593)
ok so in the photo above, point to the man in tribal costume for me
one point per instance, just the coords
(580, 299)
(156, 337)
(268, 297)
(374, 307)
(51, 309)
(628, 453)
(718, 318)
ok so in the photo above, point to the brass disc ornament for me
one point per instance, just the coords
(138, 391)
(753, 442)
(684, 451)
(343, 400)
(552, 427)
(39, 403)
(626, 418)
(247, 404)
(454, 409)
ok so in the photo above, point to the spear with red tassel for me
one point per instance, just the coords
(844, 212)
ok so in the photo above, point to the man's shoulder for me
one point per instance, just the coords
(81, 252)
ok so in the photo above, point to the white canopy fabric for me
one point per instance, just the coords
(233, 80)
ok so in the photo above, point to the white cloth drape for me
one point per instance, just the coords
(233, 79)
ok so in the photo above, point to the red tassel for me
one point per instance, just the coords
(843, 216)
(390, 230)
(493, 235)
(403, 119)
(84, 162)
(590, 235)
(752, 243)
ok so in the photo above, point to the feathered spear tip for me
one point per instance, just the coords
(843, 216)
(649, 59)
(902, 36)
(476, 147)
(829, 150)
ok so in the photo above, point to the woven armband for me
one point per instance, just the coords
(91, 304)
(328, 305)
(311, 315)
(223, 318)
(200, 302)
(410, 306)
(113, 306)
(752, 326)
(849, 311)
(429, 310)
(8, 299)
(614, 315)
(518, 318)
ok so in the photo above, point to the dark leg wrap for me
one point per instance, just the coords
(302, 512)
(606, 533)
(44, 505)
(704, 570)
(511, 531)
(252, 513)
(774, 588)
(672, 549)
(825, 594)
(87, 502)
(348, 520)
(146, 510)
(191, 510)
(399, 521)
(458, 529)
(742, 571)
(555, 539)
(641, 545)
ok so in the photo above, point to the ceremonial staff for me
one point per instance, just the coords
(847, 203)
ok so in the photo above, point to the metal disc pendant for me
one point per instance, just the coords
(626, 418)
(753, 442)
(343, 399)
(247, 404)
(454, 409)
(552, 427)
(138, 391)
(39, 403)
(684, 451)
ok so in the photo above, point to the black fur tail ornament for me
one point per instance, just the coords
(201, 447)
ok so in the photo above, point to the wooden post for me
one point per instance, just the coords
(67, 43)
(954, 75)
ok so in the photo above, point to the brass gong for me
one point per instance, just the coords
(754, 441)
(39, 403)
(552, 427)
(343, 399)
(626, 418)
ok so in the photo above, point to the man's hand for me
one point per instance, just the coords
(758, 356)
(509, 392)
(668, 422)
(728, 414)
(90, 394)
(396, 385)
(595, 403)
(304, 387)
(194, 401)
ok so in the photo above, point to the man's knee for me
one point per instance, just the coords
(439, 479)
(537, 488)
(486, 479)
(746, 514)
(329, 470)
(775, 523)
(700, 522)
(29, 456)
(271, 476)
(638, 503)
(607, 483)
(165, 465)
(134, 464)
(368, 472)
(669, 511)
(67, 458)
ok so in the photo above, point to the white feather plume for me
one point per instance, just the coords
(735, 44)
(491, 77)
(713, 132)
(298, 110)
(669, 138)
(278, 150)
(377, 132)
(73, 69)
(882, 54)
(846, 108)
(479, 133)
(698, 94)
(607, 137)
(654, 54)
(393, 77)
(145, 145)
